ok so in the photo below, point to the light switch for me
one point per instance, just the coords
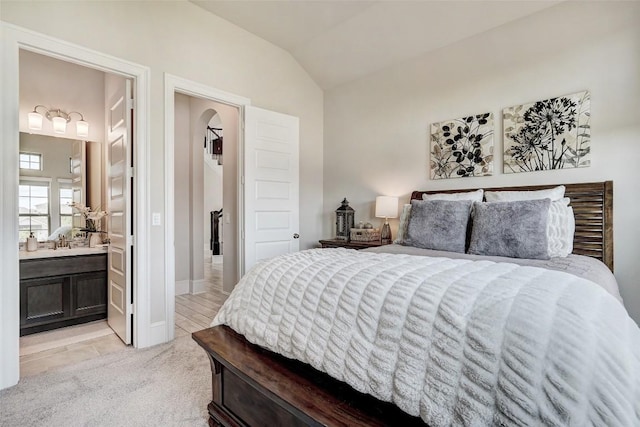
(227, 218)
(155, 218)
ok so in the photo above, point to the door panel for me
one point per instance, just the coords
(89, 293)
(271, 185)
(119, 148)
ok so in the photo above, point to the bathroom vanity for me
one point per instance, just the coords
(62, 287)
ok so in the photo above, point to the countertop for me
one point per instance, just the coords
(61, 252)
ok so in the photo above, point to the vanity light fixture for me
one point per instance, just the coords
(59, 119)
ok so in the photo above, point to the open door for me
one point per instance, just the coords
(271, 211)
(119, 186)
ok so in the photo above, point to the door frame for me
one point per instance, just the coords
(173, 84)
(15, 38)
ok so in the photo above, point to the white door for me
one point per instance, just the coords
(119, 185)
(271, 185)
(78, 179)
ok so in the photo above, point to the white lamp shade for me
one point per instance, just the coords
(59, 125)
(386, 207)
(82, 129)
(35, 121)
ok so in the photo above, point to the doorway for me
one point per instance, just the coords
(229, 108)
(264, 222)
(206, 136)
(14, 39)
(62, 198)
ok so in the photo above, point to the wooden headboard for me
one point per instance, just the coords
(592, 205)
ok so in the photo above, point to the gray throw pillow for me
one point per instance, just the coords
(438, 224)
(510, 229)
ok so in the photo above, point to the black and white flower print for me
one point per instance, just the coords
(550, 134)
(462, 147)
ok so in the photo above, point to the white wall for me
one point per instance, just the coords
(376, 129)
(180, 38)
(58, 84)
(212, 186)
(201, 113)
(191, 198)
(182, 178)
(212, 195)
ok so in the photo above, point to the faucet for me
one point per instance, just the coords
(63, 242)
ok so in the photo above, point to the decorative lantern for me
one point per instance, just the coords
(344, 220)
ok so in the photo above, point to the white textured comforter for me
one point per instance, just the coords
(457, 342)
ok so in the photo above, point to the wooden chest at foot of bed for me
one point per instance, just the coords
(255, 387)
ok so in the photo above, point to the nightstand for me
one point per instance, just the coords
(333, 243)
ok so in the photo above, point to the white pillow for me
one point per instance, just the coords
(561, 226)
(475, 196)
(404, 223)
(554, 194)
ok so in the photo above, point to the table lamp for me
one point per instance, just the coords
(386, 207)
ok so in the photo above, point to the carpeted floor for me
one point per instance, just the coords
(167, 385)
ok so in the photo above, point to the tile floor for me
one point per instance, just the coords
(52, 350)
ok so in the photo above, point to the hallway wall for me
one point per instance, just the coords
(190, 231)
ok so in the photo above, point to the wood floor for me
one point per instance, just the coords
(51, 350)
(195, 312)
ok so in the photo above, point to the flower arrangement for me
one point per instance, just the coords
(91, 218)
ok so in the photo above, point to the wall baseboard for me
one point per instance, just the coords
(158, 333)
(198, 286)
(182, 287)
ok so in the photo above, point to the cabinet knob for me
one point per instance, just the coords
(296, 236)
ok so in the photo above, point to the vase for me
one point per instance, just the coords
(32, 243)
(94, 239)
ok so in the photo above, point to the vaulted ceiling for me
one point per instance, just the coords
(340, 41)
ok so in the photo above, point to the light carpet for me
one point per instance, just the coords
(168, 385)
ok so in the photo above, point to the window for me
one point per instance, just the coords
(33, 204)
(66, 212)
(31, 161)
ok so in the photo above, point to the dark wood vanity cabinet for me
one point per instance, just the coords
(63, 291)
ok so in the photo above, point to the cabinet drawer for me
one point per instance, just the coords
(251, 406)
(47, 267)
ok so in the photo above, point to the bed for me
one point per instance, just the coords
(458, 378)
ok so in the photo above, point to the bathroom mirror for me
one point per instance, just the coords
(53, 173)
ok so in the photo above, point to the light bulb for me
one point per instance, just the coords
(35, 121)
(82, 129)
(59, 125)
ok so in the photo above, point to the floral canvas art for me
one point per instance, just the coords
(550, 134)
(462, 147)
